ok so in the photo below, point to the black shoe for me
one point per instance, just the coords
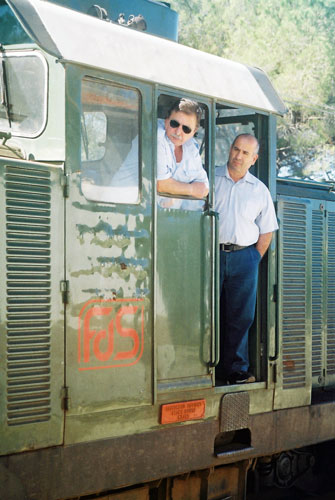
(241, 378)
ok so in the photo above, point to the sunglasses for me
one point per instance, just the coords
(175, 124)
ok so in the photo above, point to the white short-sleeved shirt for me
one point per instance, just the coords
(189, 170)
(245, 208)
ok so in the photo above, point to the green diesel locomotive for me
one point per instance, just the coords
(109, 310)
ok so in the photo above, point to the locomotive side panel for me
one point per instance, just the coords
(32, 316)
(294, 303)
(109, 231)
(306, 292)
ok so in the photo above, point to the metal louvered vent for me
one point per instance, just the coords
(28, 195)
(331, 295)
(294, 294)
(317, 291)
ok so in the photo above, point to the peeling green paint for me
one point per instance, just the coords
(119, 242)
(108, 271)
(119, 236)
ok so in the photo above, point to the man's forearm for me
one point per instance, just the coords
(263, 242)
(171, 186)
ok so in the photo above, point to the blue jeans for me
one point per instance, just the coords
(238, 280)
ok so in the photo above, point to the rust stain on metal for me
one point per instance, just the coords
(289, 364)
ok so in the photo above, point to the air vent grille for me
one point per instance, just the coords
(294, 294)
(317, 291)
(331, 295)
(28, 292)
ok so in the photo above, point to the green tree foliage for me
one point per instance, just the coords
(11, 31)
(292, 41)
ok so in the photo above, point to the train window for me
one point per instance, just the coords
(230, 122)
(195, 172)
(109, 142)
(23, 94)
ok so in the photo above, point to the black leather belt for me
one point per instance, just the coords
(230, 247)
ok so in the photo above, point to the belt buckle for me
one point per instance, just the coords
(228, 250)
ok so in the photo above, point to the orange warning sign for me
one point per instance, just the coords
(180, 412)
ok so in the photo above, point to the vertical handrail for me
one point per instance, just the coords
(276, 296)
(215, 288)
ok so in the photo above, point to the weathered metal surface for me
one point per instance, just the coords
(124, 263)
(112, 463)
(306, 297)
(137, 494)
(234, 412)
(330, 337)
(288, 429)
(110, 47)
(109, 319)
(85, 468)
(188, 486)
(227, 482)
(109, 313)
(32, 326)
(183, 295)
(294, 303)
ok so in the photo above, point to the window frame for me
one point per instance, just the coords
(123, 86)
(206, 104)
(38, 55)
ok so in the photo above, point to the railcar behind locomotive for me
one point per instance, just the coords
(110, 303)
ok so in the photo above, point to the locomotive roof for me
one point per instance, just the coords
(83, 39)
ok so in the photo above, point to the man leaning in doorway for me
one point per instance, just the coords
(179, 167)
(247, 220)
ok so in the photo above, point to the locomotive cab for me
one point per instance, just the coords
(138, 301)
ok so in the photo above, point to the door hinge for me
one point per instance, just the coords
(64, 181)
(275, 293)
(64, 289)
(275, 373)
(65, 398)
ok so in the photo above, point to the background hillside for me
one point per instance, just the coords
(293, 42)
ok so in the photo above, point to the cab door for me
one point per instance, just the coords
(184, 323)
(108, 354)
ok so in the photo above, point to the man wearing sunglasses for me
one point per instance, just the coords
(247, 220)
(179, 166)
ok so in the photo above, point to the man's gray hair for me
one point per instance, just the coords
(188, 107)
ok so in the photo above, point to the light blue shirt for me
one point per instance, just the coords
(245, 208)
(189, 170)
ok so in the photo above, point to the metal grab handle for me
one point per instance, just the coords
(276, 298)
(215, 299)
